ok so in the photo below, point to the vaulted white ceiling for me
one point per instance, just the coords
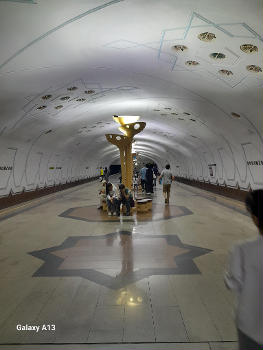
(67, 66)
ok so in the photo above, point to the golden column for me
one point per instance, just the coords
(124, 143)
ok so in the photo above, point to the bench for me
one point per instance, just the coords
(143, 205)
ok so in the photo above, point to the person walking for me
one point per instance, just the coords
(143, 177)
(166, 178)
(101, 173)
(155, 174)
(149, 179)
(245, 278)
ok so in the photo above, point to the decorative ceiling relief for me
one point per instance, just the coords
(192, 63)
(207, 37)
(217, 55)
(254, 69)
(248, 48)
(179, 48)
(225, 72)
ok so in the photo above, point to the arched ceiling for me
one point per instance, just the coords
(67, 66)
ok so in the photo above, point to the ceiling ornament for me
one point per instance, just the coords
(46, 97)
(248, 48)
(65, 98)
(225, 72)
(235, 115)
(81, 100)
(72, 88)
(40, 108)
(89, 92)
(179, 48)
(217, 55)
(192, 63)
(59, 107)
(253, 68)
(206, 36)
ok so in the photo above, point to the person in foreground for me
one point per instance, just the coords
(126, 198)
(166, 177)
(112, 198)
(245, 277)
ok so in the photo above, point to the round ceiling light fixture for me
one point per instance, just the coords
(179, 48)
(46, 97)
(225, 72)
(248, 48)
(217, 55)
(235, 115)
(65, 98)
(253, 68)
(186, 113)
(156, 110)
(192, 63)
(59, 107)
(81, 100)
(206, 36)
(40, 108)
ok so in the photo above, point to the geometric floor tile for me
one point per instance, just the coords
(159, 212)
(118, 259)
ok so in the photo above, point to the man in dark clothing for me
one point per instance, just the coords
(126, 199)
(149, 179)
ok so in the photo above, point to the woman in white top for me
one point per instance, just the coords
(245, 277)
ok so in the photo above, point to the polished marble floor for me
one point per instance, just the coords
(128, 283)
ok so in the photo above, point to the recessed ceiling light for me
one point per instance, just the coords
(41, 107)
(249, 48)
(81, 100)
(193, 120)
(89, 92)
(217, 55)
(235, 115)
(156, 110)
(174, 113)
(253, 68)
(59, 107)
(169, 108)
(193, 136)
(72, 88)
(206, 36)
(180, 118)
(192, 63)
(49, 131)
(46, 97)
(65, 98)
(225, 72)
(179, 47)
(186, 113)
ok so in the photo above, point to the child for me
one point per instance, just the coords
(245, 277)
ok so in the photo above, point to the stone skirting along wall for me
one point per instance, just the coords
(24, 196)
(223, 190)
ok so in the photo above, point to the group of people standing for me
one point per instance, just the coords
(148, 176)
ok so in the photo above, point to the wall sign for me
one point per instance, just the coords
(255, 162)
(4, 167)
